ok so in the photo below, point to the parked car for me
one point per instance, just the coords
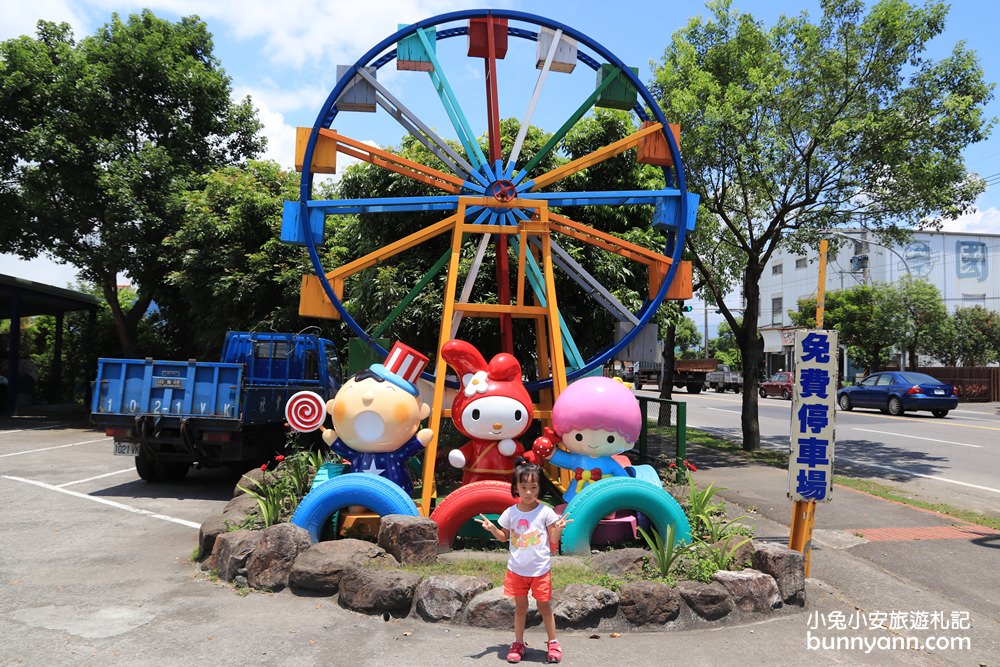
(896, 392)
(780, 384)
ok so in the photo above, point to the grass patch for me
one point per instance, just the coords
(780, 460)
(705, 439)
(563, 574)
(900, 496)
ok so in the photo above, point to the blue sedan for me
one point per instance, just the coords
(896, 392)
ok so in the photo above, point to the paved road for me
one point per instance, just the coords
(952, 460)
(95, 570)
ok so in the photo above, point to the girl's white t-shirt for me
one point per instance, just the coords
(529, 539)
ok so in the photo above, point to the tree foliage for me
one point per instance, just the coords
(803, 127)
(969, 337)
(231, 269)
(102, 135)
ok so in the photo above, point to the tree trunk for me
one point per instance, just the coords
(126, 323)
(665, 417)
(746, 336)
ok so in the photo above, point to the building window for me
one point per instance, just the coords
(776, 269)
(801, 262)
(776, 308)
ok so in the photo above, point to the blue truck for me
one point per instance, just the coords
(170, 415)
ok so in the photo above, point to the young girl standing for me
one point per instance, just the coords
(532, 528)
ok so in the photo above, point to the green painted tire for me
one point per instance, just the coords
(596, 501)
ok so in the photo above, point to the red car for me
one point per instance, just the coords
(780, 384)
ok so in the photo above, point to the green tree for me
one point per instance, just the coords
(976, 340)
(923, 313)
(102, 135)
(804, 127)
(868, 318)
(231, 269)
(727, 350)
(688, 338)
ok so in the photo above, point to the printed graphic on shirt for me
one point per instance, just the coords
(522, 537)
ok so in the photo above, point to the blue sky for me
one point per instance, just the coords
(284, 55)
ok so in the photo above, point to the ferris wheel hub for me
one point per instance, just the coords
(503, 191)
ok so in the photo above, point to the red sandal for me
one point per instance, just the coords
(555, 651)
(516, 652)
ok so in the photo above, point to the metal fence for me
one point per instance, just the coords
(655, 445)
(973, 384)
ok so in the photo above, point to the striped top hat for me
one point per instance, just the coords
(402, 367)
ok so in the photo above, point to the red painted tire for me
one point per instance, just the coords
(486, 497)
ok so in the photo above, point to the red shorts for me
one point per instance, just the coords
(517, 586)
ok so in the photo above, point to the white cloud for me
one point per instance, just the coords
(986, 221)
(298, 32)
(21, 18)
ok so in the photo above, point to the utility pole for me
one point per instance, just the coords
(706, 328)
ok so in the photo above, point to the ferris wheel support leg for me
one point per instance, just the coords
(437, 408)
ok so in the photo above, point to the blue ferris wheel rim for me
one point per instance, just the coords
(329, 112)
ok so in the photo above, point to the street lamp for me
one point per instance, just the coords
(831, 232)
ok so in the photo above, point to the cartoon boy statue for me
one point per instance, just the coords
(594, 418)
(376, 415)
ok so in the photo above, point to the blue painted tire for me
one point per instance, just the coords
(376, 493)
(598, 500)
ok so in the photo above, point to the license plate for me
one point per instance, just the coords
(939, 392)
(126, 449)
(170, 383)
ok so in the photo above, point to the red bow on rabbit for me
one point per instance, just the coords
(492, 408)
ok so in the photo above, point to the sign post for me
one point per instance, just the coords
(812, 435)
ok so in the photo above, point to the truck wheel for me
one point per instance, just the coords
(718, 388)
(466, 502)
(357, 488)
(694, 388)
(598, 500)
(146, 468)
(154, 472)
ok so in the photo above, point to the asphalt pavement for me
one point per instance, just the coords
(95, 569)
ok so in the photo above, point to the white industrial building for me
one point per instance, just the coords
(964, 267)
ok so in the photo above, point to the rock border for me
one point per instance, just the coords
(365, 579)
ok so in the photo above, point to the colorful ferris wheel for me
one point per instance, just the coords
(495, 196)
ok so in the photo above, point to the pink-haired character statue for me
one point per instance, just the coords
(594, 418)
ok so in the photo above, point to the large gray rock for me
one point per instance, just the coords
(252, 479)
(709, 601)
(620, 562)
(788, 569)
(271, 561)
(317, 570)
(239, 507)
(232, 550)
(584, 605)
(413, 540)
(373, 591)
(493, 609)
(649, 602)
(441, 597)
(211, 528)
(752, 591)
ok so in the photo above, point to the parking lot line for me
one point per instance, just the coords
(89, 479)
(104, 501)
(45, 449)
(33, 428)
